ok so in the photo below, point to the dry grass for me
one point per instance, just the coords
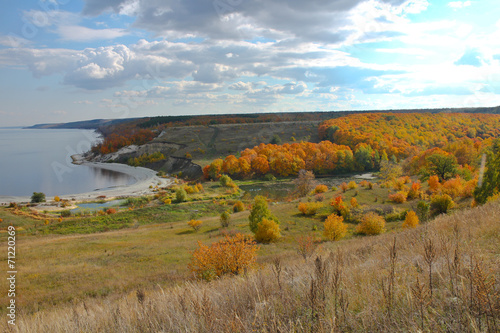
(440, 277)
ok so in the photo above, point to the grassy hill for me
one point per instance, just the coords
(440, 277)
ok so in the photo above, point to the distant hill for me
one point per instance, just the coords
(84, 124)
(187, 120)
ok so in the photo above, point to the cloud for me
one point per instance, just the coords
(314, 20)
(440, 90)
(65, 25)
(459, 4)
(471, 57)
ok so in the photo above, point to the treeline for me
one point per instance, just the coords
(443, 144)
(122, 136)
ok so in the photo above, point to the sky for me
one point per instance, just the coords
(69, 60)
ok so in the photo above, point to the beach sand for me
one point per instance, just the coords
(144, 179)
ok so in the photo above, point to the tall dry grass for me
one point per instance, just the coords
(440, 277)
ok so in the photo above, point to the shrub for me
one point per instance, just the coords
(259, 211)
(395, 215)
(321, 189)
(181, 195)
(453, 187)
(189, 189)
(319, 197)
(38, 197)
(414, 190)
(423, 209)
(371, 224)
(441, 203)
(269, 177)
(354, 202)
(199, 186)
(195, 224)
(411, 220)
(65, 213)
(57, 199)
(343, 187)
(340, 208)
(370, 185)
(309, 208)
(226, 181)
(232, 255)
(306, 245)
(363, 183)
(167, 201)
(335, 228)
(225, 218)
(352, 184)
(434, 184)
(1, 220)
(267, 231)
(110, 211)
(238, 207)
(399, 197)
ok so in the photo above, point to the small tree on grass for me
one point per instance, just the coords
(306, 245)
(225, 218)
(304, 182)
(321, 189)
(423, 209)
(440, 204)
(195, 224)
(232, 255)
(267, 231)
(371, 224)
(259, 211)
(38, 197)
(238, 207)
(181, 195)
(335, 228)
(411, 220)
(309, 208)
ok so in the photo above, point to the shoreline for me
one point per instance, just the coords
(144, 178)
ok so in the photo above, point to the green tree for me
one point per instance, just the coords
(445, 167)
(225, 218)
(38, 197)
(363, 158)
(181, 195)
(276, 140)
(491, 179)
(259, 211)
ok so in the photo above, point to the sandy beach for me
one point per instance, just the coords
(144, 179)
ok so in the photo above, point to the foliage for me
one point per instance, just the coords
(334, 227)
(195, 224)
(398, 197)
(225, 219)
(146, 158)
(354, 202)
(57, 199)
(343, 187)
(267, 231)
(434, 184)
(232, 255)
(321, 189)
(339, 207)
(121, 136)
(65, 213)
(444, 166)
(414, 191)
(38, 197)
(306, 245)
(423, 209)
(491, 179)
(411, 220)
(304, 182)
(110, 211)
(181, 195)
(352, 185)
(309, 208)
(371, 224)
(390, 170)
(259, 211)
(238, 206)
(441, 203)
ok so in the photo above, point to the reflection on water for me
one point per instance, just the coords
(40, 161)
(104, 178)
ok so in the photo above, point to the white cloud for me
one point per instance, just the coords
(459, 4)
(83, 34)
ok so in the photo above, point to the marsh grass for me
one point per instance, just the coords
(339, 290)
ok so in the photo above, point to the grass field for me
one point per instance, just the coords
(97, 257)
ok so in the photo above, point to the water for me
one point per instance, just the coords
(38, 160)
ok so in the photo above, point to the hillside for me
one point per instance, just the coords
(440, 277)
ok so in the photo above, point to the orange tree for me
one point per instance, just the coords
(231, 255)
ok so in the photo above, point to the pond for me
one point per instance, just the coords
(95, 206)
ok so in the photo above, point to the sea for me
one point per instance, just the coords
(39, 160)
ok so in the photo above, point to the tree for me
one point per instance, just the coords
(390, 170)
(444, 166)
(371, 224)
(181, 195)
(195, 224)
(335, 228)
(267, 231)
(276, 140)
(225, 218)
(38, 197)
(411, 220)
(491, 178)
(259, 211)
(304, 182)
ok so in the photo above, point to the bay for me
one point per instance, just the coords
(39, 160)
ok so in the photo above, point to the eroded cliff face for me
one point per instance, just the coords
(171, 165)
